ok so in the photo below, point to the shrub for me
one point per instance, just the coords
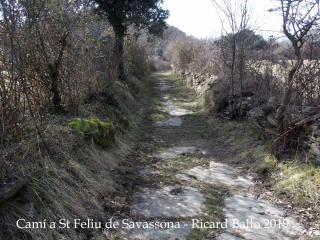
(136, 56)
(101, 132)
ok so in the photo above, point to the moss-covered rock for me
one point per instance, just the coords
(102, 132)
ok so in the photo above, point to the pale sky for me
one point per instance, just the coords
(200, 19)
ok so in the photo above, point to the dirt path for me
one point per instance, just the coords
(186, 190)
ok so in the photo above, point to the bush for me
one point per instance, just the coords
(156, 64)
(136, 56)
(102, 133)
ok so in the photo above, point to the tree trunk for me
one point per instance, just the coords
(54, 75)
(56, 99)
(280, 116)
(233, 63)
(119, 52)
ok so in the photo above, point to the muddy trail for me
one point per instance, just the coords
(187, 186)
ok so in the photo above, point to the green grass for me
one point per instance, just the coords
(213, 212)
(161, 116)
(300, 180)
(168, 168)
(198, 124)
(194, 127)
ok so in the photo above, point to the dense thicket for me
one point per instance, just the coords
(54, 54)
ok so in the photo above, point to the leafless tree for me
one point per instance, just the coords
(233, 44)
(50, 56)
(299, 18)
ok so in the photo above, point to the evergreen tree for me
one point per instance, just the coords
(146, 14)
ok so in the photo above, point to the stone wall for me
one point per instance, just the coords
(263, 115)
(313, 143)
(203, 84)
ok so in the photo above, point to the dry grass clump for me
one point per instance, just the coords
(69, 182)
(301, 181)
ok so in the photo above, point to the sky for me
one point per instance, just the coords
(199, 18)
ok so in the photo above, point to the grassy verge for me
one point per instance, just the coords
(213, 208)
(70, 177)
(291, 177)
(300, 181)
